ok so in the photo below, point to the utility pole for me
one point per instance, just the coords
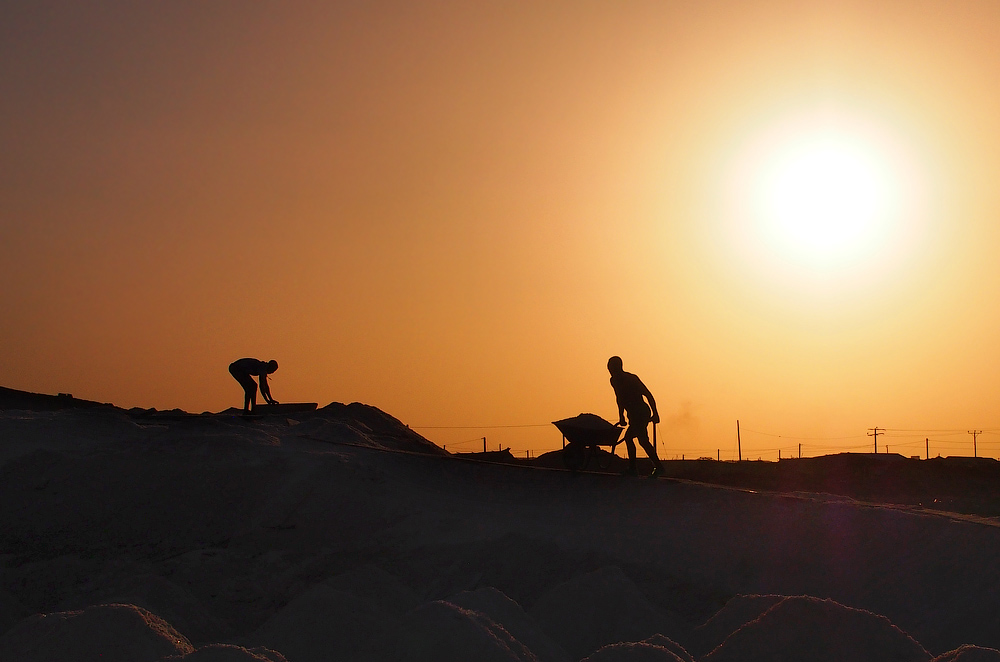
(800, 451)
(484, 444)
(739, 447)
(875, 432)
(927, 448)
(974, 433)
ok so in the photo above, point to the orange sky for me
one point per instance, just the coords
(458, 211)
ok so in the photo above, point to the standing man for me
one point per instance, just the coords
(629, 391)
(244, 370)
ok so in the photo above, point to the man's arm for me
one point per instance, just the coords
(652, 402)
(265, 390)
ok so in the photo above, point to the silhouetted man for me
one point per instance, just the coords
(244, 370)
(630, 391)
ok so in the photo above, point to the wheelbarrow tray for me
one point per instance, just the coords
(589, 430)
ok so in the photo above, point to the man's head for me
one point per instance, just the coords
(615, 365)
(272, 365)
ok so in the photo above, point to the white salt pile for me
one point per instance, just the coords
(598, 608)
(632, 652)
(110, 633)
(970, 654)
(508, 614)
(363, 425)
(808, 628)
(670, 645)
(228, 653)
(349, 617)
(738, 611)
(324, 623)
(164, 598)
(442, 632)
(380, 589)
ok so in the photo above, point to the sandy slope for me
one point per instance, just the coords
(235, 531)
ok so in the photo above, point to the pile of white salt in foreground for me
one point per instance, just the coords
(671, 645)
(508, 614)
(442, 632)
(739, 610)
(351, 617)
(808, 628)
(596, 609)
(367, 614)
(156, 594)
(969, 653)
(111, 633)
(654, 649)
(228, 653)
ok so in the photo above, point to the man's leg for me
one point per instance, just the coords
(643, 438)
(249, 393)
(630, 447)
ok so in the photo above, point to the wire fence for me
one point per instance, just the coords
(912, 442)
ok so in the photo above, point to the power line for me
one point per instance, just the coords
(975, 433)
(874, 432)
(782, 436)
(467, 441)
(476, 427)
(944, 430)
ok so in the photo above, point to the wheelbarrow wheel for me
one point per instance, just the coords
(605, 460)
(575, 456)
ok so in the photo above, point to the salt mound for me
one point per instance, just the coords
(738, 611)
(166, 599)
(632, 652)
(337, 432)
(378, 588)
(508, 614)
(325, 624)
(820, 631)
(442, 632)
(228, 653)
(346, 617)
(372, 427)
(110, 633)
(598, 608)
(969, 653)
(670, 645)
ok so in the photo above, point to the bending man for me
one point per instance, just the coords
(629, 391)
(244, 370)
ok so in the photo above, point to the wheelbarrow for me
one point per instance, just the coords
(584, 435)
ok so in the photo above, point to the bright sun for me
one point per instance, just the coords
(819, 193)
(824, 196)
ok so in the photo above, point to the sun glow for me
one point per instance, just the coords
(825, 197)
(821, 194)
